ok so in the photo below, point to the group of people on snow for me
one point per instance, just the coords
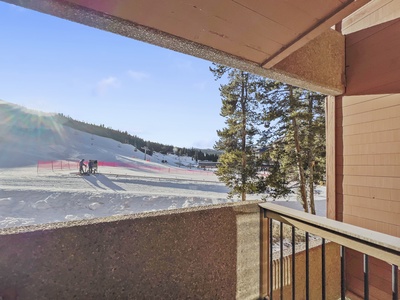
(82, 165)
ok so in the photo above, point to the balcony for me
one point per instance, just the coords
(335, 267)
(214, 252)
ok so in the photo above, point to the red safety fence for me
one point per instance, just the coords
(55, 165)
(152, 168)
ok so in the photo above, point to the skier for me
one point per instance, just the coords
(81, 164)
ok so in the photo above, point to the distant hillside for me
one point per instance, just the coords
(126, 138)
(25, 118)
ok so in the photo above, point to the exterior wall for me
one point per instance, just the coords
(363, 137)
(373, 13)
(368, 161)
(372, 60)
(202, 253)
(368, 178)
(367, 127)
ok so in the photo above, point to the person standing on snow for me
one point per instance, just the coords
(81, 164)
(90, 166)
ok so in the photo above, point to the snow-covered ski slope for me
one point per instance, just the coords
(39, 179)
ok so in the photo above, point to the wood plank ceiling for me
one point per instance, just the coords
(255, 35)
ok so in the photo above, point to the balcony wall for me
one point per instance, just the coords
(198, 253)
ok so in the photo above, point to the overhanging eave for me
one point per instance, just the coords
(317, 66)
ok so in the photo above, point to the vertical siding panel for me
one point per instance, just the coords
(368, 176)
(367, 181)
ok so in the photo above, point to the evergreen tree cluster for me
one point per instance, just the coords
(295, 134)
(198, 154)
(270, 125)
(240, 107)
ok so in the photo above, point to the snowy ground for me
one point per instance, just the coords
(32, 196)
(39, 180)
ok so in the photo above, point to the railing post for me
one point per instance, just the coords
(307, 268)
(271, 267)
(323, 270)
(281, 258)
(342, 273)
(395, 282)
(366, 276)
(264, 254)
(293, 263)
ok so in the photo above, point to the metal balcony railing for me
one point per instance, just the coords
(279, 271)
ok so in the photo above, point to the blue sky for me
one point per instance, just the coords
(54, 65)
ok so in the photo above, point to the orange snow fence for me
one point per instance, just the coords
(57, 165)
(54, 165)
(153, 168)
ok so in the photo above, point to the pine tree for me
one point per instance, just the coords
(295, 132)
(314, 143)
(240, 107)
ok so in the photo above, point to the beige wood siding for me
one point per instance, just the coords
(367, 139)
(373, 13)
(373, 61)
(368, 161)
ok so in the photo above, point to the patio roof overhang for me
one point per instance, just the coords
(291, 41)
